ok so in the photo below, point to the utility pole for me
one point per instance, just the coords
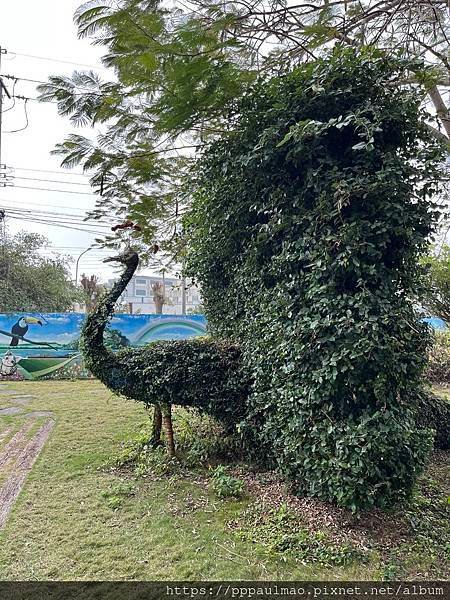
(2, 89)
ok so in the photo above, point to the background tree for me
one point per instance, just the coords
(92, 291)
(115, 339)
(179, 70)
(436, 294)
(159, 297)
(31, 282)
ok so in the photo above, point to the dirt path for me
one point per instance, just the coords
(20, 445)
(14, 446)
(4, 434)
(25, 461)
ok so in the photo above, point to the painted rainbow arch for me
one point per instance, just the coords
(169, 329)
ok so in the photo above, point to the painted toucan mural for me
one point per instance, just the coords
(35, 346)
(20, 328)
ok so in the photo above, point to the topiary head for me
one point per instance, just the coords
(128, 257)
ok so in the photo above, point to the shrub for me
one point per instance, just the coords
(199, 372)
(224, 485)
(438, 365)
(433, 412)
(307, 224)
(201, 442)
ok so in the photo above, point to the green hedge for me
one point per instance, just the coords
(308, 220)
(198, 372)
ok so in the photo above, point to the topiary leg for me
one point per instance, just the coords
(155, 440)
(168, 429)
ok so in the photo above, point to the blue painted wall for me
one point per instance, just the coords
(53, 338)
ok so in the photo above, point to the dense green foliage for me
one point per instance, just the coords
(438, 363)
(306, 229)
(199, 372)
(225, 485)
(436, 293)
(433, 412)
(30, 281)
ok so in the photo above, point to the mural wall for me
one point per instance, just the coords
(45, 346)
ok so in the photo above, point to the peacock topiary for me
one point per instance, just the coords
(199, 372)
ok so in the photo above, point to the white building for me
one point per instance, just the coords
(138, 295)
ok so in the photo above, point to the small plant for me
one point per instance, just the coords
(226, 486)
(390, 571)
(280, 531)
(117, 493)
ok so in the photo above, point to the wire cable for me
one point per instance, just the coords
(56, 225)
(6, 76)
(50, 180)
(13, 97)
(25, 187)
(63, 217)
(48, 58)
(27, 99)
(47, 171)
(29, 204)
(26, 119)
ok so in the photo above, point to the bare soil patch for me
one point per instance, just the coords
(15, 445)
(25, 460)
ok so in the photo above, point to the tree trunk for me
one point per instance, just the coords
(168, 429)
(158, 298)
(441, 109)
(156, 426)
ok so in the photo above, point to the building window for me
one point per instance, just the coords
(141, 282)
(141, 292)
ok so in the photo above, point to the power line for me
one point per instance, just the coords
(61, 216)
(37, 221)
(48, 171)
(51, 59)
(96, 251)
(13, 98)
(29, 204)
(28, 99)
(45, 212)
(99, 248)
(11, 205)
(16, 78)
(25, 187)
(26, 118)
(51, 180)
(50, 223)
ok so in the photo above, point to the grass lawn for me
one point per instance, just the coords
(79, 517)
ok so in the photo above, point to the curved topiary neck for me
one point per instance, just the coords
(92, 345)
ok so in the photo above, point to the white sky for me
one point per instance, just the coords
(45, 29)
